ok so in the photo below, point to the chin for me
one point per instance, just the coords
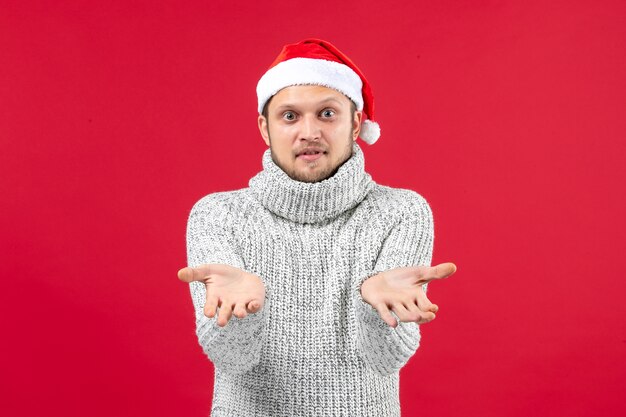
(320, 173)
(310, 177)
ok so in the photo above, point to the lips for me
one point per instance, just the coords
(310, 154)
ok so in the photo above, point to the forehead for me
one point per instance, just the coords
(308, 94)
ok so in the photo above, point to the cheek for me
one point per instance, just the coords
(340, 130)
(282, 131)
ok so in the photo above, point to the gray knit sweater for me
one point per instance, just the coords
(316, 348)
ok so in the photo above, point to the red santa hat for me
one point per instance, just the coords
(318, 62)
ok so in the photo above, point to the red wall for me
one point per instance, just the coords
(115, 117)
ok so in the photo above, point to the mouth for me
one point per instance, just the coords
(310, 154)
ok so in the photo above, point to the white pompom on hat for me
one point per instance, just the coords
(318, 62)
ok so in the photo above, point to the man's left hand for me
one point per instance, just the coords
(400, 289)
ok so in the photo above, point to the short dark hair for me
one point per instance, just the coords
(265, 107)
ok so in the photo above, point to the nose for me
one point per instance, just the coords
(310, 128)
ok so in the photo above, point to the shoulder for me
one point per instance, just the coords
(401, 203)
(220, 205)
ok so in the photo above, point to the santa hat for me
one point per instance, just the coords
(318, 62)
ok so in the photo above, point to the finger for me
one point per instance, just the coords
(385, 314)
(210, 307)
(414, 310)
(189, 274)
(424, 303)
(226, 310)
(426, 317)
(440, 271)
(444, 270)
(253, 306)
(185, 274)
(402, 312)
(240, 311)
(201, 272)
(419, 316)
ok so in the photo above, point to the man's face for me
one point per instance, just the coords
(310, 130)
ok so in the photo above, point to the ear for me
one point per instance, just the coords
(263, 128)
(356, 124)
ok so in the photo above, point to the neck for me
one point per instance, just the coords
(306, 202)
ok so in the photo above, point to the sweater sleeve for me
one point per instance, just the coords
(383, 348)
(236, 347)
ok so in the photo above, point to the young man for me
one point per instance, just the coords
(309, 285)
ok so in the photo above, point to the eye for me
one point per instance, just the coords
(289, 115)
(328, 113)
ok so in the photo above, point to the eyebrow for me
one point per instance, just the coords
(324, 101)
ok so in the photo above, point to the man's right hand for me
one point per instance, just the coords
(231, 289)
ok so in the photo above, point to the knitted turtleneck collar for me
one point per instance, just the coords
(304, 202)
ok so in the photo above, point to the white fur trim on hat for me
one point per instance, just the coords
(370, 132)
(310, 71)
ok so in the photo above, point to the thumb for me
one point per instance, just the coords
(440, 271)
(185, 274)
(189, 274)
(201, 272)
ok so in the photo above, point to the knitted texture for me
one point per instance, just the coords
(316, 348)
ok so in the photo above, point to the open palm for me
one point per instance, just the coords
(400, 290)
(231, 289)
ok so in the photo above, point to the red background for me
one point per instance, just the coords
(507, 116)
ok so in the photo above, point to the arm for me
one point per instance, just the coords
(383, 348)
(236, 347)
